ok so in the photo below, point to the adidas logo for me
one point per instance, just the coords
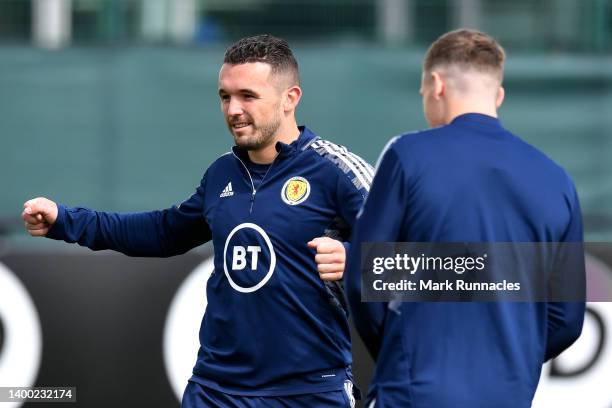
(227, 191)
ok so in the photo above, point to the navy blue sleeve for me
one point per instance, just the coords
(379, 221)
(164, 233)
(565, 319)
(350, 199)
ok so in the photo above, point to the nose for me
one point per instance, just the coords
(234, 107)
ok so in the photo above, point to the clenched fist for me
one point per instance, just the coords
(330, 257)
(39, 215)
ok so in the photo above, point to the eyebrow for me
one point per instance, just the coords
(242, 91)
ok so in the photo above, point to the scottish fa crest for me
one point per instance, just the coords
(295, 190)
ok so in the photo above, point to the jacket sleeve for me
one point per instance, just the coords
(351, 193)
(351, 190)
(163, 233)
(565, 319)
(379, 221)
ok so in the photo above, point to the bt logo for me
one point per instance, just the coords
(239, 260)
(248, 256)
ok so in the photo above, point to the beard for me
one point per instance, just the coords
(259, 137)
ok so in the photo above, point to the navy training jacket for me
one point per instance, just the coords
(272, 326)
(469, 181)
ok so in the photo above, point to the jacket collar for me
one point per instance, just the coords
(304, 140)
(478, 118)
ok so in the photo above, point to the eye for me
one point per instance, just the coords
(224, 97)
(249, 97)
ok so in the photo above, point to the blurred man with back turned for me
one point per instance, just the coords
(465, 180)
(279, 210)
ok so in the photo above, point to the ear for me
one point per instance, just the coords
(439, 85)
(292, 98)
(501, 93)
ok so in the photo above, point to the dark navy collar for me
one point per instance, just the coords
(478, 118)
(304, 140)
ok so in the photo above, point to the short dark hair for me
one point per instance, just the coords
(468, 49)
(264, 48)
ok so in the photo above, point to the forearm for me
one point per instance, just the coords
(134, 234)
(368, 317)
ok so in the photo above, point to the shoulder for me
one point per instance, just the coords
(419, 138)
(406, 144)
(346, 163)
(221, 164)
(217, 167)
(412, 146)
(222, 160)
(540, 162)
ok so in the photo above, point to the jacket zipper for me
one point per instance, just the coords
(251, 179)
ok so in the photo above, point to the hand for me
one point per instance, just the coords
(330, 257)
(39, 215)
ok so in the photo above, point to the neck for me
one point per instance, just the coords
(467, 106)
(286, 133)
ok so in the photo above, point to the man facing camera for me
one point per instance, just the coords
(278, 209)
(467, 179)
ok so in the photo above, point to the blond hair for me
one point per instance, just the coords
(468, 50)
